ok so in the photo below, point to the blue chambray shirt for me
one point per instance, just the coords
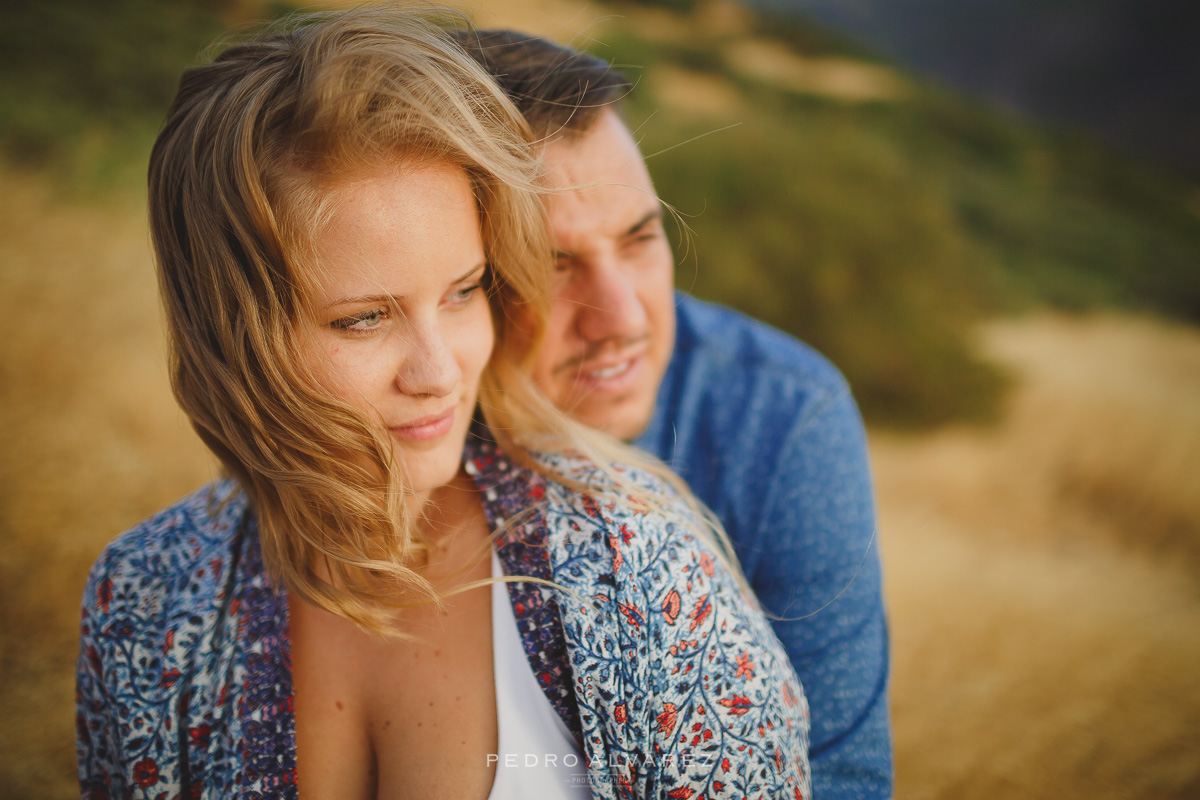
(766, 433)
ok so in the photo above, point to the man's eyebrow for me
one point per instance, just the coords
(633, 230)
(651, 216)
(390, 298)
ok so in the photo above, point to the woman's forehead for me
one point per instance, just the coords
(396, 230)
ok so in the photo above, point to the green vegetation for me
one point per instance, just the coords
(84, 85)
(878, 231)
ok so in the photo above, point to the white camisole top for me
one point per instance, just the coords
(538, 756)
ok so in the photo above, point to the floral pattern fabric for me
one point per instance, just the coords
(676, 687)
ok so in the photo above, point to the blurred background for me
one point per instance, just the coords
(986, 214)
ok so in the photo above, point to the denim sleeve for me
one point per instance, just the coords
(820, 572)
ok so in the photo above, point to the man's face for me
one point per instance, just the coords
(612, 324)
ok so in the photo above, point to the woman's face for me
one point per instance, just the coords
(402, 325)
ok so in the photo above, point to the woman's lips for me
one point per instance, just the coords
(426, 428)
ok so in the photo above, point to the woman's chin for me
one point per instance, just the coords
(425, 472)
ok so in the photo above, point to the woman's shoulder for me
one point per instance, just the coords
(184, 545)
(672, 651)
(586, 501)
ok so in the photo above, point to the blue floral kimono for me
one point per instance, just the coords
(670, 680)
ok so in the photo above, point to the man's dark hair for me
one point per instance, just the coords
(557, 89)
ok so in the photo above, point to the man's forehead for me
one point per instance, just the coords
(606, 145)
(599, 179)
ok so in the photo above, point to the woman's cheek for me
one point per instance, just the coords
(476, 343)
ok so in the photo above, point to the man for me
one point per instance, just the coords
(762, 428)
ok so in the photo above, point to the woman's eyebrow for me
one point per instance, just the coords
(466, 276)
(391, 297)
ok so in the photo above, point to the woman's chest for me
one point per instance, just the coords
(398, 719)
(432, 711)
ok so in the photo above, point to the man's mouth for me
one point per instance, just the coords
(606, 377)
(611, 371)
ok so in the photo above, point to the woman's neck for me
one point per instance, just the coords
(451, 522)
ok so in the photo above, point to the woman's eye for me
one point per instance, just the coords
(361, 323)
(464, 294)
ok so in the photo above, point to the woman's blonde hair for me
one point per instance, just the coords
(238, 181)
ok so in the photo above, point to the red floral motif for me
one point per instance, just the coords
(104, 593)
(632, 614)
(737, 705)
(591, 506)
(706, 564)
(745, 667)
(670, 607)
(619, 713)
(666, 720)
(700, 613)
(94, 659)
(145, 773)
(200, 735)
(617, 559)
(682, 792)
(625, 784)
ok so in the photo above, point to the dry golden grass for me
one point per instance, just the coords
(840, 78)
(1041, 576)
(90, 442)
(691, 93)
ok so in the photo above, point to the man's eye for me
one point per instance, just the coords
(362, 322)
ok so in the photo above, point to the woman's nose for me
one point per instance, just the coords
(427, 365)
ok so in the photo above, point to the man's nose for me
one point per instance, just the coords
(427, 365)
(608, 305)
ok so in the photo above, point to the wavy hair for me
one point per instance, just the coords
(238, 183)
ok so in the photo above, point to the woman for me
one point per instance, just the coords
(352, 256)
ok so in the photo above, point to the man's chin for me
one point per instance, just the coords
(624, 419)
